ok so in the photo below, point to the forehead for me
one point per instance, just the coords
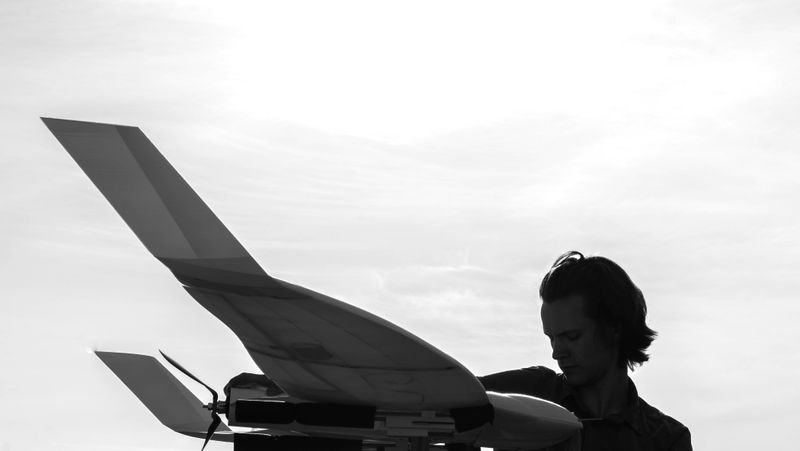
(567, 313)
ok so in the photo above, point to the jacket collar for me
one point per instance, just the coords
(631, 413)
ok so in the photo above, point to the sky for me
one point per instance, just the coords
(425, 161)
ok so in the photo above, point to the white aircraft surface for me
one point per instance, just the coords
(348, 380)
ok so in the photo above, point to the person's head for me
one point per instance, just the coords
(594, 316)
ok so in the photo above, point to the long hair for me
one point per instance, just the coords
(609, 295)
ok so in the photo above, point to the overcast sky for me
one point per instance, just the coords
(425, 161)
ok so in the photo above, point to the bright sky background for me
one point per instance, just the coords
(425, 161)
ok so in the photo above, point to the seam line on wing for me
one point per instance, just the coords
(155, 186)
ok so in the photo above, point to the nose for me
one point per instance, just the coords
(560, 351)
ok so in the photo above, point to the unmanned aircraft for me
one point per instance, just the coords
(335, 377)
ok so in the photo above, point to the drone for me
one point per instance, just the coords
(335, 377)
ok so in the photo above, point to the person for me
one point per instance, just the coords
(594, 316)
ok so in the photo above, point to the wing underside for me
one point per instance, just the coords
(315, 347)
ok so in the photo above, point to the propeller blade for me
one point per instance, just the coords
(215, 420)
(186, 372)
(211, 428)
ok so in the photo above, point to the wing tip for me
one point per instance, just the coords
(50, 122)
(108, 357)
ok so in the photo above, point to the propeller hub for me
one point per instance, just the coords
(219, 407)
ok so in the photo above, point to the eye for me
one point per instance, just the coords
(572, 336)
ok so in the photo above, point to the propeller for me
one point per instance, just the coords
(215, 420)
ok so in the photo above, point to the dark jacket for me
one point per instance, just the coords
(639, 426)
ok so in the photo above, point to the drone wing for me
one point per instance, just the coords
(314, 347)
(162, 393)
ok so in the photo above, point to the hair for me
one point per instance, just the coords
(609, 295)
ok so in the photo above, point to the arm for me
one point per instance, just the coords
(534, 381)
(683, 442)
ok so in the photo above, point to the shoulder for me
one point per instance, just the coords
(536, 381)
(665, 429)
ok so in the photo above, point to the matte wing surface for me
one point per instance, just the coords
(172, 403)
(314, 347)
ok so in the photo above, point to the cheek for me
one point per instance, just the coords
(598, 353)
(590, 350)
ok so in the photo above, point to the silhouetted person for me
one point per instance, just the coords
(594, 316)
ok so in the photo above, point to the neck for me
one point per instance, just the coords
(606, 396)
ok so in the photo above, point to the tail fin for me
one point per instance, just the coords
(163, 394)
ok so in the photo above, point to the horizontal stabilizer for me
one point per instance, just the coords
(161, 392)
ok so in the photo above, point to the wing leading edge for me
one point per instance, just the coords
(315, 347)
